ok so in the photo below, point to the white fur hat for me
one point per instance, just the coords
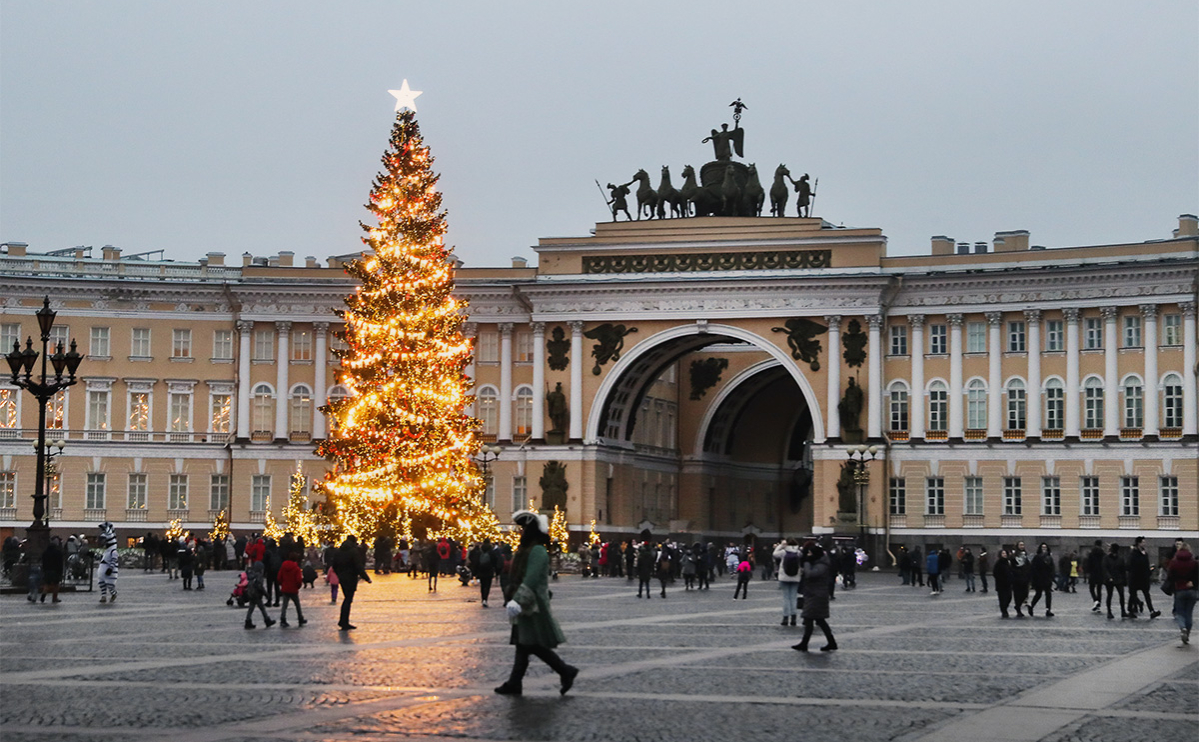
(527, 518)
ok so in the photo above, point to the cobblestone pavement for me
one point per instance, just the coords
(164, 664)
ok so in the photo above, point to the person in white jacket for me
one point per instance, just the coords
(789, 559)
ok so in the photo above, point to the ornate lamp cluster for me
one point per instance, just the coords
(859, 456)
(43, 387)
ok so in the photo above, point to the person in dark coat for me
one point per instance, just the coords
(1115, 577)
(1182, 574)
(984, 565)
(52, 564)
(167, 549)
(272, 561)
(1041, 573)
(645, 569)
(1003, 581)
(534, 630)
(149, 550)
(630, 559)
(1139, 576)
(917, 560)
(482, 561)
(350, 567)
(186, 560)
(1021, 578)
(1094, 566)
(818, 577)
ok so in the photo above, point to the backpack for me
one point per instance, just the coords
(484, 559)
(791, 563)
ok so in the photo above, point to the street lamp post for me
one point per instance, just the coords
(43, 387)
(486, 455)
(859, 456)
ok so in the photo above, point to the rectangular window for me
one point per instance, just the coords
(220, 412)
(8, 489)
(1012, 496)
(899, 340)
(974, 496)
(136, 499)
(935, 496)
(1055, 407)
(524, 346)
(938, 408)
(489, 492)
(218, 492)
(181, 343)
(1132, 331)
(8, 411)
(1015, 337)
(260, 492)
(899, 496)
(1172, 329)
(1130, 495)
(94, 494)
(99, 343)
(489, 346)
(1167, 496)
(139, 411)
(97, 409)
(140, 344)
(1092, 338)
(177, 493)
(301, 345)
(60, 334)
(938, 340)
(520, 493)
(1089, 496)
(10, 333)
(1051, 496)
(1054, 335)
(180, 412)
(222, 345)
(899, 410)
(976, 337)
(264, 345)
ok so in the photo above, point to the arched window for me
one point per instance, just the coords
(899, 407)
(976, 405)
(301, 410)
(336, 394)
(489, 410)
(1092, 396)
(1055, 404)
(1172, 401)
(938, 406)
(1134, 403)
(263, 403)
(1017, 410)
(522, 416)
(9, 420)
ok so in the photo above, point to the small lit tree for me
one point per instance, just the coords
(559, 531)
(220, 527)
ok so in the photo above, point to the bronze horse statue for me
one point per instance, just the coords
(647, 200)
(753, 195)
(779, 191)
(730, 194)
(668, 194)
(706, 201)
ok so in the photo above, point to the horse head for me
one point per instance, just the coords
(780, 171)
(642, 176)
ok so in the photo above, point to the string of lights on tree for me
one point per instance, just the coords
(401, 442)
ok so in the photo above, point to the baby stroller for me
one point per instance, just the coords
(239, 592)
(464, 575)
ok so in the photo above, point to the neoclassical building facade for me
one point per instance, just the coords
(715, 374)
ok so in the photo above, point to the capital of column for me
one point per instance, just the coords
(1187, 308)
(916, 320)
(1072, 315)
(1032, 315)
(994, 318)
(470, 329)
(320, 328)
(834, 321)
(245, 325)
(954, 320)
(576, 326)
(283, 326)
(1108, 313)
(538, 329)
(1149, 311)
(875, 321)
(505, 329)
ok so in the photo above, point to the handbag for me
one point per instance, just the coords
(1168, 587)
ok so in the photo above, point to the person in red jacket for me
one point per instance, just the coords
(255, 551)
(291, 578)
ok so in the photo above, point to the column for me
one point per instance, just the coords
(469, 331)
(1111, 373)
(1032, 318)
(832, 416)
(1190, 409)
(916, 404)
(320, 369)
(576, 380)
(994, 375)
(1073, 395)
(1149, 341)
(874, 393)
(505, 381)
(244, 329)
(282, 362)
(539, 389)
(955, 375)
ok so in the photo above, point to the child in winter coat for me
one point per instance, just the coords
(290, 579)
(332, 581)
(239, 591)
(745, 572)
(309, 573)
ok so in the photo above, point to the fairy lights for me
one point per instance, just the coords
(401, 442)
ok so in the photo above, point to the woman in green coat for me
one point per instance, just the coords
(527, 596)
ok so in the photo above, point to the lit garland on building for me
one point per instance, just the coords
(593, 536)
(401, 443)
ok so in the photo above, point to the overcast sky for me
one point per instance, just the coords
(258, 126)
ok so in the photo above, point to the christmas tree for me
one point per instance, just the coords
(401, 441)
(297, 518)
